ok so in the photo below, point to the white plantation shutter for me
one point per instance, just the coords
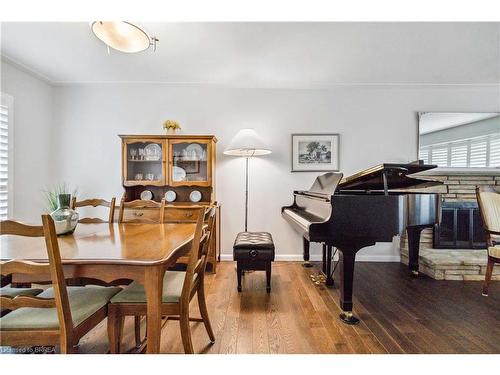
(458, 154)
(439, 155)
(495, 151)
(478, 157)
(423, 154)
(5, 177)
(475, 152)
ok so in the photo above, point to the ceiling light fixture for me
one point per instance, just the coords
(123, 36)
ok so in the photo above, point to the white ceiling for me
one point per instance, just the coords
(434, 121)
(265, 54)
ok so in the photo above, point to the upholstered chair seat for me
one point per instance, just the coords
(173, 282)
(83, 301)
(494, 251)
(13, 292)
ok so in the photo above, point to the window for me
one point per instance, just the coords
(6, 158)
(482, 152)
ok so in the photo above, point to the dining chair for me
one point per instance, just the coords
(141, 211)
(183, 261)
(488, 200)
(179, 288)
(96, 202)
(60, 315)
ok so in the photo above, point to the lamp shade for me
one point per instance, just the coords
(247, 143)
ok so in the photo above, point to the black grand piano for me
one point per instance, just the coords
(355, 212)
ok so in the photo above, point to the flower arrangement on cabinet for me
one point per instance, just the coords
(172, 126)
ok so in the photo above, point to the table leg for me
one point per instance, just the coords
(153, 284)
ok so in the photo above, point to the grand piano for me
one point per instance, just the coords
(357, 211)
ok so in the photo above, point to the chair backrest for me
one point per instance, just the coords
(195, 271)
(210, 228)
(488, 200)
(54, 268)
(95, 203)
(141, 210)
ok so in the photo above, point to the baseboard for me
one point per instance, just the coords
(318, 258)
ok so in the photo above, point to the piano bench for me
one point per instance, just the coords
(254, 251)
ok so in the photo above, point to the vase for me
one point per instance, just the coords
(171, 130)
(65, 218)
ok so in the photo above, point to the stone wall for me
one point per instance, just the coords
(453, 264)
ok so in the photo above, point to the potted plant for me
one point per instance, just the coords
(58, 201)
(171, 126)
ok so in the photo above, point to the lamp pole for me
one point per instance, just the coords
(246, 194)
(246, 143)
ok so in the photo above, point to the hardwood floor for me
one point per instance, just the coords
(399, 314)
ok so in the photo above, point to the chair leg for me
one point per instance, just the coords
(239, 271)
(204, 312)
(268, 277)
(115, 329)
(186, 331)
(137, 331)
(487, 277)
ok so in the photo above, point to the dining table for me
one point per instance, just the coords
(114, 251)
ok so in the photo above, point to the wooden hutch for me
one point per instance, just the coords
(181, 164)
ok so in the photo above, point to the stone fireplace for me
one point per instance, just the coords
(458, 255)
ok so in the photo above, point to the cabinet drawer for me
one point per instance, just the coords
(147, 215)
(177, 214)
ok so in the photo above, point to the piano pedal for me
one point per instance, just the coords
(318, 279)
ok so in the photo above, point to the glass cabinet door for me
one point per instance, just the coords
(144, 162)
(190, 162)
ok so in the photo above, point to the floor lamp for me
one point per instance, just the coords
(247, 143)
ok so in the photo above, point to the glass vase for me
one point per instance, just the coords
(65, 219)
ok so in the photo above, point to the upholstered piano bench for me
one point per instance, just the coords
(254, 251)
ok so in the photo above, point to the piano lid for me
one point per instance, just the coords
(397, 177)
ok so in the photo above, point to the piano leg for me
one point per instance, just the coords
(323, 266)
(347, 259)
(413, 233)
(306, 254)
(328, 271)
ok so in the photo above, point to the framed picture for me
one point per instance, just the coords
(190, 166)
(315, 152)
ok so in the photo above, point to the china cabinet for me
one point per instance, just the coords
(179, 168)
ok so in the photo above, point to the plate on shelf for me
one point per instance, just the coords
(179, 174)
(146, 195)
(152, 152)
(195, 196)
(170, 196)
(194, 152)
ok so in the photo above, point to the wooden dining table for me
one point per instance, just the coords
(108, 252)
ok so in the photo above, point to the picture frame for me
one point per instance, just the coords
(315, 152)
(190, 166)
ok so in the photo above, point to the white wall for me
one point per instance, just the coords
(32, 140)
(376, 123)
